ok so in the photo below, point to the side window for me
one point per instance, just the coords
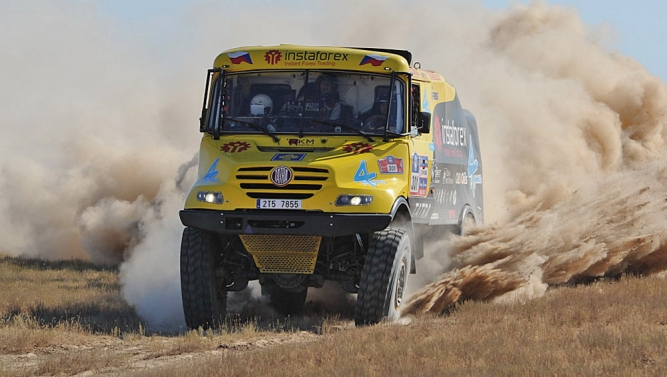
(397, 109)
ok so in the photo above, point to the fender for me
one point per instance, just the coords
(401, 204)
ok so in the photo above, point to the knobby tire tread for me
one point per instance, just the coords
(375, 284)
(200, 306)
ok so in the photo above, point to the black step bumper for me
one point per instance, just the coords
(290, 222)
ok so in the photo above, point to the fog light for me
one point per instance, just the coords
(354, 200)
(210, 197)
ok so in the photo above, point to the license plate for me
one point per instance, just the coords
(278, 204)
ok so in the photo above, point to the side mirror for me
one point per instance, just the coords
(424, 122)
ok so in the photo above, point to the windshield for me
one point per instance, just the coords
(308, 102)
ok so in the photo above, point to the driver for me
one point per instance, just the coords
(375, 119)
(324, 97)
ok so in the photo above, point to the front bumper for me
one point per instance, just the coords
(284, 222)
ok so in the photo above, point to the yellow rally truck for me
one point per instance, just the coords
(323, 163)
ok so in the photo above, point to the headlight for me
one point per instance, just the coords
(210, 197)
(354, 200)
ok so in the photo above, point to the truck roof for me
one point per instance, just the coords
(287, 56)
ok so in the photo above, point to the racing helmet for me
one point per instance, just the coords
(261, 104)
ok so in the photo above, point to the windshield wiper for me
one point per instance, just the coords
(344, 126)
(254, 126)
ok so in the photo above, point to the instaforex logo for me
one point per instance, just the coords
(273, 56)
(305, 58)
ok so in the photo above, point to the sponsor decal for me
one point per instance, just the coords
(391, 165)
(445, 197)
(239, 57)
(447, 177)
(450, 152)
(419, 175)
(437, 174)
(235, 146)
(437, 134)
(314, 58)
(425, 103)
(364, 176)
(452, 214)
(461, 178)
(315, 55)
(433, 76)
(435, 216)
(273, 56)
(416, 72)
(357, 148)
(288, 157)
(421, 210)
(423, 175)
(374, 60)
(414, 175)
(212, 173)
(301, 142)
(281, 176)
(434, 96)
(440, 196)
(453, 135)
(450, 139)
(473, 165)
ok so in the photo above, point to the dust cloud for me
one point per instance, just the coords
(587, 193)
(99, 130)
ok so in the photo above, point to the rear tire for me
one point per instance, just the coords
(204, 299)
(384, 277)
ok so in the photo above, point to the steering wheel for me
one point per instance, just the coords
(374, 123)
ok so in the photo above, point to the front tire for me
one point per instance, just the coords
(204, 299)
(384, 277)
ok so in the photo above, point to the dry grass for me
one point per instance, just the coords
(607, 328)
(71, 295)
(68, 318)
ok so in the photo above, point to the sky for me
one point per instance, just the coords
(634, 28)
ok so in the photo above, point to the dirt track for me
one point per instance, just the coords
(112, 356)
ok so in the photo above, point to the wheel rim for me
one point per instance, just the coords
(400, 284)
(468, 222)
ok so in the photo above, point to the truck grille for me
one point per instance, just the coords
(306, 182)
(283, 254)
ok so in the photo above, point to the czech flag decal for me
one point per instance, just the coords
(239, 57)
(374, 60)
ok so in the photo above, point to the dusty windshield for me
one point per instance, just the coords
(312, 102)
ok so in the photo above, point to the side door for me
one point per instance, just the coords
(421, 158)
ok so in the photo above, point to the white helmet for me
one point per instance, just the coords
(261, 104)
